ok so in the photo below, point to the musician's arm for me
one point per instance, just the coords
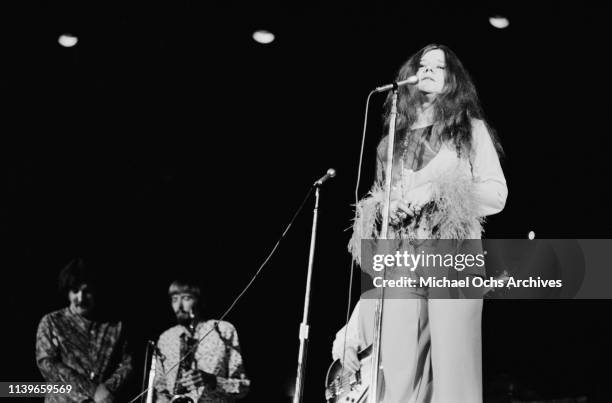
(351, 332)
(48, 359)
(236, 384)
(160, 383)
(124, 369)
(380, 169)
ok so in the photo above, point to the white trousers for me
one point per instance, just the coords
(431, 349)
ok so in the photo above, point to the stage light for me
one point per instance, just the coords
(531, 235)
(67, 40)
(263, 37)
(499, 22)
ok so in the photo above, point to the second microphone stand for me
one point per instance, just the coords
(304, 327)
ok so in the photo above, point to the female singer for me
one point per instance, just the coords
(446, 178)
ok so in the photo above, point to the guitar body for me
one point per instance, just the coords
(345, 386)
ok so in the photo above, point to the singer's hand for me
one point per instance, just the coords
(399, 210)
(418, 197)
(410, 205)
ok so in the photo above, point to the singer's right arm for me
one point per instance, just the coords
(397, 205)
(380, 167)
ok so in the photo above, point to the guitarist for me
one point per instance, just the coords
(357, 335)
(349, 340)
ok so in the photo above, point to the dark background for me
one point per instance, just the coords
(168, 141)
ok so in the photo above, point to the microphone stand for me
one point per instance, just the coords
(304, 328)
(150, 353)
(144, 371)
(384, 233)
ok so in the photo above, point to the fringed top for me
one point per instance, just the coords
(464, 189)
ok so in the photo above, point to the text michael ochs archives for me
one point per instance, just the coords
(459, 262)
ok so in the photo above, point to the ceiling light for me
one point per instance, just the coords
(499, 22)
(67, 40)
(263, 37)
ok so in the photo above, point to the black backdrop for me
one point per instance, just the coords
(168, 141)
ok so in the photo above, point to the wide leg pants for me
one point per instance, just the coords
(431, 349)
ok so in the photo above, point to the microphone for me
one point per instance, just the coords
(331, 172)
(156, 350)
(409, 81)
(192, 323)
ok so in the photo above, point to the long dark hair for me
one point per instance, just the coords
(454, 108)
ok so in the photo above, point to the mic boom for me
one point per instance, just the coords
(331, 172)
(409, 81)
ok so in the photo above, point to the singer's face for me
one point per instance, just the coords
(183, 304)
(81, 300)
(432, 72)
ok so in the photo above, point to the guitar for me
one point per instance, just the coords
(345, 386)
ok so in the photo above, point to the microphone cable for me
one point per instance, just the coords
(352, 267)
(240, 295)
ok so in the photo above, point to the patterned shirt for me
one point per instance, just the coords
(84, 353)
(218, 354)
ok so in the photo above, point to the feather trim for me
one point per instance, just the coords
(452, 214)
